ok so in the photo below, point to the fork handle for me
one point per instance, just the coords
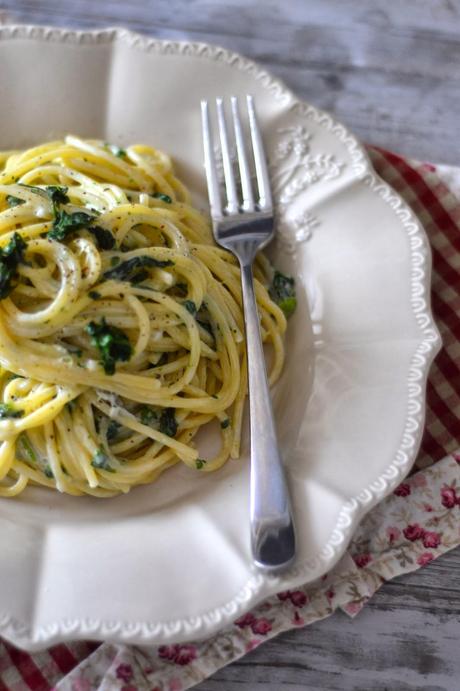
(272, 529)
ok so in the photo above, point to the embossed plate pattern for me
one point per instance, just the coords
(170, 562)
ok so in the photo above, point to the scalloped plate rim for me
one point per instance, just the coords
(144, 632)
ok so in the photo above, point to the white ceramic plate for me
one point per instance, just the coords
(171, 561)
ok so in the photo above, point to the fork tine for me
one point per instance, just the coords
(230, 186)
(210, 163)
(245, 173)
(263, 181)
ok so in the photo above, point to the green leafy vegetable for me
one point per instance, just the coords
(15, 249)
(163, 419)
(114, 261)
(94, 295)
(27, 448)
(140, 276)
(181, 289)
(58, 195)
(203, 319)
(282, 292)
(288, 305)
(112, 430)
(168, 422)
(100, 461)
(149, 416)
(65, 223)
(225, 423)
(163, 197)
(10, 257)
(129, 269)
(14, 201)
(115, 150)
(206, 326)
(8, 411)
(48, 472)
(112, 343)
(104, 238)
(190, 307)
(200, 463)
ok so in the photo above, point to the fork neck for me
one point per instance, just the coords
(244, 235)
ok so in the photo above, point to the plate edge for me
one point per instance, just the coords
(354, 509)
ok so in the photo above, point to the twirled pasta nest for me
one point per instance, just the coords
(121, 325)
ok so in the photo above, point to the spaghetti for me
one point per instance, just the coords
(121, 324)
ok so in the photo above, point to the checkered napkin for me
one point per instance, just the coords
(417, 523)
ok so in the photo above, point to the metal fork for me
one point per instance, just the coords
(244, 226)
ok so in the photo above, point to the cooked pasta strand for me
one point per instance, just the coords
(121, 324)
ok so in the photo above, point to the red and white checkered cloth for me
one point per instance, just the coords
(433, 192)
(437, 205)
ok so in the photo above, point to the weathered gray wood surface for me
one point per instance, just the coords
(391, 72)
